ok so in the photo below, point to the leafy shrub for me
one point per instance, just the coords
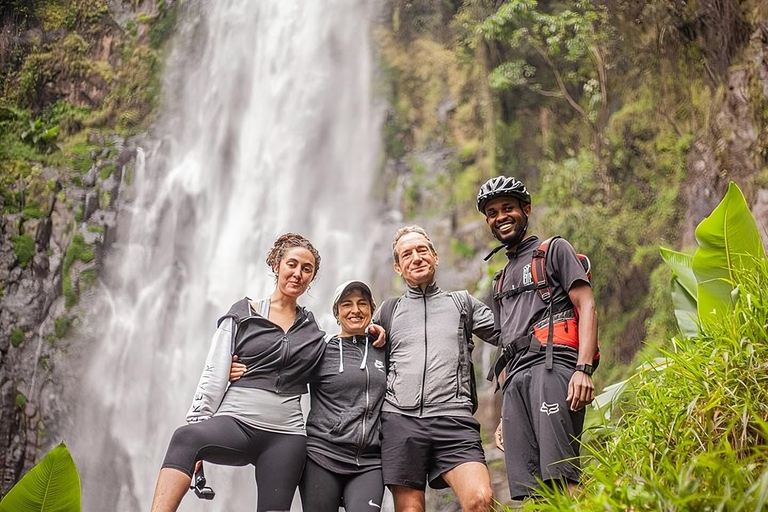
(24, 248)
(17, 337)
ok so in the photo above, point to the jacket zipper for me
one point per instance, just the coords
(361, 445)
(424, 373)
(283, 343)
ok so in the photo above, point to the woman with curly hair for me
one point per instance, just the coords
(257, 419)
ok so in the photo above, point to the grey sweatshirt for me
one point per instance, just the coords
(425, 376)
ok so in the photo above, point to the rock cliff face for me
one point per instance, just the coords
(65, 67)
(733, 146)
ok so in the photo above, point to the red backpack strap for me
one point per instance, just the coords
(539, 274)
(539, 269)
(497, 284)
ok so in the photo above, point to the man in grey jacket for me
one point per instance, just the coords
(428, 432)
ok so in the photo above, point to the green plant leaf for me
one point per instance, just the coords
(684, 291)
(686, 310)
(682, 268)
(53, 485)
(728, 240)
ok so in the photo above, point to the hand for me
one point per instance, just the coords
(380, 333)
(581, 390)
(499, 438)
(237, 370)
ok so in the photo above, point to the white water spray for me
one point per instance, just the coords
(270, 128)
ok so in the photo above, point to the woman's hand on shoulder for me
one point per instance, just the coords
(236, 371)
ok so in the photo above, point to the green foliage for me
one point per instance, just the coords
(88, 278)
(52, 485)
(61, 326)
(107, 171)
(569, 41)
(41, 137)
(78, 250)
(163, 27)
(728, 240)
(21, 402)
(684, 289)
(17, 337)
(24, 248)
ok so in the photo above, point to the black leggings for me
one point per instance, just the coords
(278, 458)
(321, 490)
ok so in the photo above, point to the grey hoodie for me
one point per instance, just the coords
(425, 363)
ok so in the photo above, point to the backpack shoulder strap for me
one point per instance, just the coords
(539, 269)
(463, 303)
(387, 309)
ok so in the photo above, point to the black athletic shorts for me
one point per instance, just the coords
(417, 450)
(541, 434)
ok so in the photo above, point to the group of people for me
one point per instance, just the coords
(393, 394)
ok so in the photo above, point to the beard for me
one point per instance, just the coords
(513, 238)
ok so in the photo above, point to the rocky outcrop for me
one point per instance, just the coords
(41, 292)
(732, 147)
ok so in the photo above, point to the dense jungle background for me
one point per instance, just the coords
(626, 119)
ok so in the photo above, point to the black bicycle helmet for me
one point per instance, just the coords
(501, 186)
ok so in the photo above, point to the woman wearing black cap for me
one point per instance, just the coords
(343, 466)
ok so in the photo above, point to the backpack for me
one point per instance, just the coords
(559, 325)
(464, 304)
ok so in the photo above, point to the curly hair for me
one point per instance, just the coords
(410, 229)
(288, 241)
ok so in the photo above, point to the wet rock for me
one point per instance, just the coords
(91, 204)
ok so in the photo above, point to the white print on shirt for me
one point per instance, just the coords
(549, 408)
(527, 276)
(379, 365)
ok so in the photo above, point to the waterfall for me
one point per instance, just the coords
(269, 126)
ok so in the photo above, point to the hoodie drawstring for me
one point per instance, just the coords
(365, 355)
(363, 364)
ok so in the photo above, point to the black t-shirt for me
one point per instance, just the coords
(517, 314)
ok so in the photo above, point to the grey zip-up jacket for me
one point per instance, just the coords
(427, 374)
(346, 394)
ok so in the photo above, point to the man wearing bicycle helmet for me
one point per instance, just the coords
(544, 367)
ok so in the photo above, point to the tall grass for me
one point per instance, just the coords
(693, 435)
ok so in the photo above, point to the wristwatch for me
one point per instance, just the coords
(585, 368)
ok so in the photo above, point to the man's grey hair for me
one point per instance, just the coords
(410, 229)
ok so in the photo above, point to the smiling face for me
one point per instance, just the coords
(295, 271)
(416, 261)
(507, 219)
(355, 313)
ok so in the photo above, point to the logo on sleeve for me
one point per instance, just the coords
(549, 408)
(379, 364)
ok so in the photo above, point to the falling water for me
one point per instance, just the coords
(269, 127)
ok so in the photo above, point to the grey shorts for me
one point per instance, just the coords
(417, 450)
(541, 434)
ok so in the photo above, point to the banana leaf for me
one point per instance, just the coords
(728, 240)
(683, 290)
(53, 485)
